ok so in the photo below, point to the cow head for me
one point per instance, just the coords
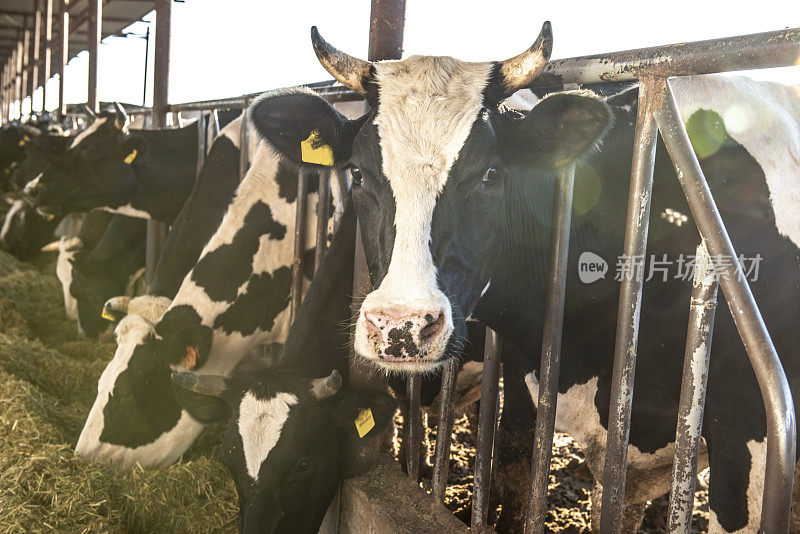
(429, 165)
(40, 152)
(97, 169)
(285, 441)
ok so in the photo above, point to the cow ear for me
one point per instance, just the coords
(558, 130)
(303, 127)
(206, 404)
(364, 412)
(134, 149)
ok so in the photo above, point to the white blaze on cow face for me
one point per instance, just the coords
(427, 107)
(260, 425)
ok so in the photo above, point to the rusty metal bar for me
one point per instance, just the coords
(551, 350)
(487, 423)
(63, 56)
(441, 455)
(323, 200)
(413, 425)
(48, 50)
(93, 38)
(299, 240)
(744, 52)
(244, 144)
(781, 431)
(702, 307)
(630, 301)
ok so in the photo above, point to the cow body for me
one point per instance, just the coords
(453, 228)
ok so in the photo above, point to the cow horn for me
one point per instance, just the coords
(213, 385)
(322, 388)
(90, 111)
(122, 117)
(519, 71)
(350, 71)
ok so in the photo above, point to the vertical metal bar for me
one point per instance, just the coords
(777, 397)
(26, 61)
(18, 84)
(487, 422)
(93, 38)
(551, 350)
(702, 307)
(299, 241)
(413, 426)
(35, 49)
(201, 142)
(387, 20)
(63, 55)
(214, 128)
(323, 199)
(341, 184)
(48, 49)
(630, 300)
(157, 231)
(244, 145)
(146, 62)
(444, 430)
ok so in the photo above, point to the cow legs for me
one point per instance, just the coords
(631, 516)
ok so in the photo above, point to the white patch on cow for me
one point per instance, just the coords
(16, 207)
(88, 131)
(67, 249)
(764, 118)
(755, 489)
(32, 184)
(426, 111)
(168, 447)
(148, 306)
(129, 211)
(260, 426)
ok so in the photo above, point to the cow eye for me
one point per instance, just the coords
(356, 176)
(302, 467)
(490, 176)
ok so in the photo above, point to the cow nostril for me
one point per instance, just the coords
(374, 324)
(433, 327)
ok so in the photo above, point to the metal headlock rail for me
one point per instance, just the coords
(657, 112)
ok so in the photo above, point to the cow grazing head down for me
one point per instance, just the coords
(429, 165)
(95, 170)
(285, 441)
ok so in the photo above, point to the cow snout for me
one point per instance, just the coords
(405, 334)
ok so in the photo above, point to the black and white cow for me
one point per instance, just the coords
(139, 173)
(454, 197)
(289, 429)
(25, 231)
(235, 299)
(13, 138)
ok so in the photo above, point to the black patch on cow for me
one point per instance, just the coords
(266, 296)
(222, 271)
(286, 178)
(141, 407)
(401, 342)
(179, 328)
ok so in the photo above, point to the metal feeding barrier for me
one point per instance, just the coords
(657, 112)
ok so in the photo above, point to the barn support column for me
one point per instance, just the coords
(157, 231)
(25, 62)
(35, 49)
(48, 50)
(93, 38)
(63, 55)
(18, 82)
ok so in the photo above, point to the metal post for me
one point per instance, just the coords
(37, 39)
(323, 199)
(63, 55)
(630, 300)
(487, 422)
(157, 231)
(777, 397)
(413, 426)
(201, 142)
(299, 241)
(441, 454)
(48, 49)
(702, 307)
(18, 82)
(26, 61)
(93, 38)
(244, 144)
(146, 60)
(551, 350)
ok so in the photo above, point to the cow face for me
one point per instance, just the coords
(285, 441)
(25, 231)
(95, 171)
(429, 167)
(40, 152)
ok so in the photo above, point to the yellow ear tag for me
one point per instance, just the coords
(24, 140)
(107, 315)
(130, 157)
(321, 155)
(364, 422)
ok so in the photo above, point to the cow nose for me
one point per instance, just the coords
(400, 333)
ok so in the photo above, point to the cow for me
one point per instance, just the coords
(13, 138)
(454, 197)
(139, 173)
(290, 425)
(232, 301)
(25, 230)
